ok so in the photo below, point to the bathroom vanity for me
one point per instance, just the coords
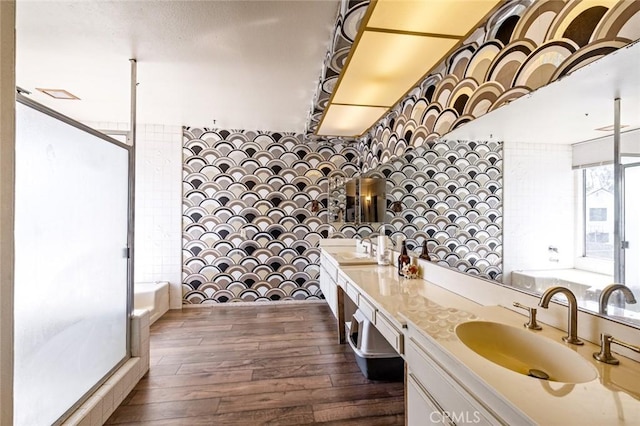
(453, 376)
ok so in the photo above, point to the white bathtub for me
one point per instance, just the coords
(153, 297)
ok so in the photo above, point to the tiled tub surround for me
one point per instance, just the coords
(153, 297)
(249, 232)
(432, 308)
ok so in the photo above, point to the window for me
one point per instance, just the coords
(598, 212)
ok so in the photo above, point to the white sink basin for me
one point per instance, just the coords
(350, 258)
(525, 352)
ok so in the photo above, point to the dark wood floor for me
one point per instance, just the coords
(276, 365)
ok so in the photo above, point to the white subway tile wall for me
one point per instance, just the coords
(159, 207)
(538, 206)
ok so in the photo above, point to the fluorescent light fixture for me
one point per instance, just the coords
(349, 120)
(385, 65)
(58, 93)
(443, 17)
(399, 42)
(611, 128)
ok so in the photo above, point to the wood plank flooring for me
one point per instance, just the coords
(256, 365)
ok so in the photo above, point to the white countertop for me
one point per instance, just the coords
(612, 398)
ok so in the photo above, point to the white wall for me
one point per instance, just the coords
(158, 242)
(158, 208)
(538, 207)
(7, 181)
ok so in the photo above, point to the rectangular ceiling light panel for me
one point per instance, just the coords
(349, 120)
(446, 17)
(385, 66)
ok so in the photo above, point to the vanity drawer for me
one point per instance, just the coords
(332, 271)
(342, 280)
(367, 308)
(390, 332)
(453, 399)
(353, 293)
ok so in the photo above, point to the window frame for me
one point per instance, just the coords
(582, 261)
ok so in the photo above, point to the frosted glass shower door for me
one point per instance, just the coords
(71, 285)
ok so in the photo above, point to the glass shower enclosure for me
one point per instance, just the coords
(72, 268)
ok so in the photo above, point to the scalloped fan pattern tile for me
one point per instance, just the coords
(248, 230)
(451, 196)
(522, 46)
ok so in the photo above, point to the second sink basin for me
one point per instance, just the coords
(524, 352)
(349, 258)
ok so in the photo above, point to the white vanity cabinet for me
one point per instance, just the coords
(440, 392)
(422, 408)
(344, 297)
(328, 283)
(333, 293)
(433, 391)
(445, 382)
(391, 330)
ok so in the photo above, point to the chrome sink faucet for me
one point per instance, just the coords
(572, 326)
(606, 293)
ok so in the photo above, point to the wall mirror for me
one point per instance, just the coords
(372, 199)
(551, 219)
(560, 184)
(357, 200)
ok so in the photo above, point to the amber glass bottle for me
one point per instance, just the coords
(425, 251)
(403, 259)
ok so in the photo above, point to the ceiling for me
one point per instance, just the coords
(568, 110)
(245, 64)
(255, 65)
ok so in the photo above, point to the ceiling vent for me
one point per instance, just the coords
(58, 93)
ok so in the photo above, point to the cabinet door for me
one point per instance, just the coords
(324, 278)
(422, 410)
(328, 287)
(460, 406)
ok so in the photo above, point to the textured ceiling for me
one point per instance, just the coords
(246, 64)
